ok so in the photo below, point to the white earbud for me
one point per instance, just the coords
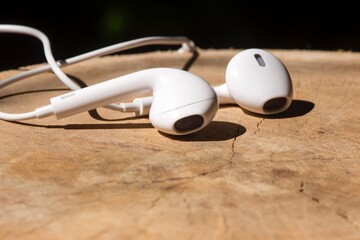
(182, 102)
(256, 80)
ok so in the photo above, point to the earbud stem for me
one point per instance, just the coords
(223, 94)
(102, 94)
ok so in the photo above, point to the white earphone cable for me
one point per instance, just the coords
(47, 50)
(187, 45)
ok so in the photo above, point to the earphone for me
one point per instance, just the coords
(181, 103)
(256, 80)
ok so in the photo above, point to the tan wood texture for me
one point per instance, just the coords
(108, 175)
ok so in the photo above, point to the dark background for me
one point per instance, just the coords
(77, 27)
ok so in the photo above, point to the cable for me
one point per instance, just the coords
(187, 46)
(17, 116)
(47, 50)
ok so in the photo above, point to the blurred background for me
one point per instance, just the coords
(76, 27)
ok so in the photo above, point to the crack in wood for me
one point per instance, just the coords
(154, 203)
(339, 212)
(343, 214)
(257, 130)
(228, 164)
(301, 189)
(233, 147)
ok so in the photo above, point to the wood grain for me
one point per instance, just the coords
(108, 175)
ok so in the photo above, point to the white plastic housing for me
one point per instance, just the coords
(259, 82)
(177, 95)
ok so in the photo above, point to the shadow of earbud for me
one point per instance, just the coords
(32, 91)
(296, 109)
(89, 126)
(215, 131)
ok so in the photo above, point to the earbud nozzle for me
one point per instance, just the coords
(189, 123)
(274, 104)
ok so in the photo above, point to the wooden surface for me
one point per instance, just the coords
(107, 175)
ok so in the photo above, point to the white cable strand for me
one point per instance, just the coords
(47, 50)
(49, 57)
(187, 45)
(17, 116)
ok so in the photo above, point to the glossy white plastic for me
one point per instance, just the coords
(182, 102)
(258, 82)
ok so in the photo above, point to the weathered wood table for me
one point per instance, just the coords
(108, 175)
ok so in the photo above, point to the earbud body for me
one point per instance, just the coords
(257, 81)
(182, 102)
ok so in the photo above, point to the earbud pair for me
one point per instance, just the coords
(181, 102)
(255, 79)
